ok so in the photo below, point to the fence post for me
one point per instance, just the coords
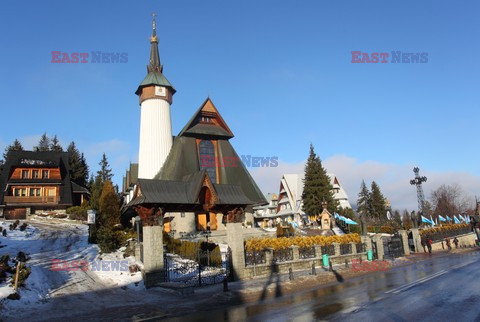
(406, 249)
(377, 239)
(336, 246)
(296, 252)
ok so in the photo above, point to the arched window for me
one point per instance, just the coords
(206, 151)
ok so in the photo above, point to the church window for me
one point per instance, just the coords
(206, 151)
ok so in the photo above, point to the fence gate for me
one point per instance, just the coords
(395, 246)
(201, 271)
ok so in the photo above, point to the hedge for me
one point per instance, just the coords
(302, 242)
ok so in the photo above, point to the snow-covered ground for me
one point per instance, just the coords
(44, 241)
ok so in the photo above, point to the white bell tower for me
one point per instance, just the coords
(155, 95)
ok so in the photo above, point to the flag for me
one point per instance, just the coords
(436, 221)
(433, 222)
(335, 215)
(461, 217)
(425, 220)
(449, 219)
(350, 222)
(456, 220)
(389, 215)
(441, 218)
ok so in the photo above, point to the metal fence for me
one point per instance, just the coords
(329, 250)
(345, 249)
(361, 247)
(194, 273)
(255, 257)
(306, 252)
(283, 255)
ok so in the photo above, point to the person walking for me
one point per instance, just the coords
(429, 244)
(447, 241)
(424, 243)
(455, 241)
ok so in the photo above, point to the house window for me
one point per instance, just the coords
(35, 174)
(20, 192)
(24, 174)
(207, 159)
(45, 174)
(34, 192)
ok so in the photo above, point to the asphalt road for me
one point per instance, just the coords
(442, 288)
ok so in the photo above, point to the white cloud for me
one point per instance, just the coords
(393, 179)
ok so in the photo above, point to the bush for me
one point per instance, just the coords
(23, 226)
(381, 229)
(77, 213)
(108, 239)
(23, 274)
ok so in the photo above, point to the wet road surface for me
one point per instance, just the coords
(444, 288)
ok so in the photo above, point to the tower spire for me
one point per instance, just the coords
(154, 65)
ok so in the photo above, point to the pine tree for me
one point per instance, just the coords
(317, 187)
(363, 201)
(55, 145)
(407, 221)
(15, 146)
(105, 171)
(377, 203)
(95, 186)
(43, 144)
(397, 218)
(78, 165)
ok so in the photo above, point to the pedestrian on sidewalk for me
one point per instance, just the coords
(447, 241)
(424, 243)
(455, 241)
(429, 244)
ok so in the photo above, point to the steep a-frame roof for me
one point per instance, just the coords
(217, 126)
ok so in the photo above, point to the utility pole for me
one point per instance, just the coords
(417, 181)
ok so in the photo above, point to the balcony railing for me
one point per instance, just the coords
(41, 199)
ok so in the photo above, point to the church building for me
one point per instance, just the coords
(196, 178)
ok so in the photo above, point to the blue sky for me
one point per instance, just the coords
(279, 72)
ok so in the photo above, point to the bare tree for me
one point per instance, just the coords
(450, 200)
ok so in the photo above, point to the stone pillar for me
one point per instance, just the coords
(153, 270)
(377, 239)
(406, 248)
(318, 251)
(296, 253)
(137, 251)
(336, 246)
(416, 240)
(236, 243)
(269, 256)
(367, 241)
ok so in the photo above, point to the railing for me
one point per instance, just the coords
(329, 250)
(255, 258)
(306, 252)
(283, 255)
(345, 249)
(439, 236)
(41, 199)
(361, 248)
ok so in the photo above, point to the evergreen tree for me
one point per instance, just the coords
(377, 204)
(105, 171)
(317, 187)
(363, 201)
(78, 165)
(43, 144)
(407, 221)
(95, 187)
(15, 146)
(397, 218)
(55, 144)
(109, 205)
